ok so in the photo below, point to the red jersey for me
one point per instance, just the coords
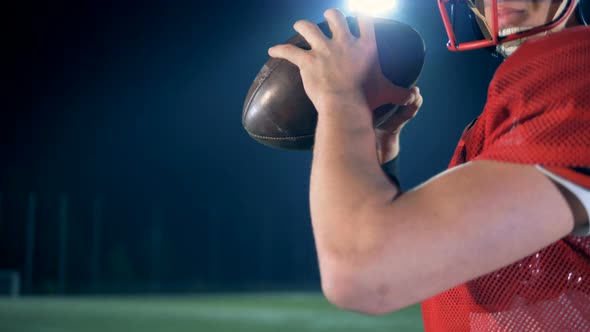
(538, 113)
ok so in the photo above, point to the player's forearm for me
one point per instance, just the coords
(346, 183)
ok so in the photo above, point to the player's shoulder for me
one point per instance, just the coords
(550, 69)
(563, 46)
(574, 36)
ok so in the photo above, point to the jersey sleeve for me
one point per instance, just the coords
(577, 182)
(538, 113)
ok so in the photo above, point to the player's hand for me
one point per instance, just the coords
(342, 70)
(387, 133)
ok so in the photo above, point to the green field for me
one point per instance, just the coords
(219, 313)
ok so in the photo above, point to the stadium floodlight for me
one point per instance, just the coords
(372, 7)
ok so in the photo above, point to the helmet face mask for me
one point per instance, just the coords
(501, 24)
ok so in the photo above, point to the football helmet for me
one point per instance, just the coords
(500, 25)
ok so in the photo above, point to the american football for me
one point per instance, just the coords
(277, 111)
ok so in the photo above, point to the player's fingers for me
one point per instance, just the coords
(288, 52)
(311, 32)
(418, 100)
(398, 95)
(409, 111)
(337, 23)
(405, 112)
(366, 27)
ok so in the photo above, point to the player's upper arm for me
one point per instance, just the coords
(464, 223)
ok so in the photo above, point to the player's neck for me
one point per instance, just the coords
(573, 22)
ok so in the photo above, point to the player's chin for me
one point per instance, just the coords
(508, 48)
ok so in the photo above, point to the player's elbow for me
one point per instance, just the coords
(359, 294)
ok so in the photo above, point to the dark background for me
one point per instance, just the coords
(137, 105)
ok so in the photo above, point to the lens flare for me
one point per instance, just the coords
(372, 7)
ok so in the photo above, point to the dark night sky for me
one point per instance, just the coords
(140, 103)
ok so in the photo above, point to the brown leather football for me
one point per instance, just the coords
(277, 111)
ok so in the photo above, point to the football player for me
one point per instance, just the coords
(499, 241)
